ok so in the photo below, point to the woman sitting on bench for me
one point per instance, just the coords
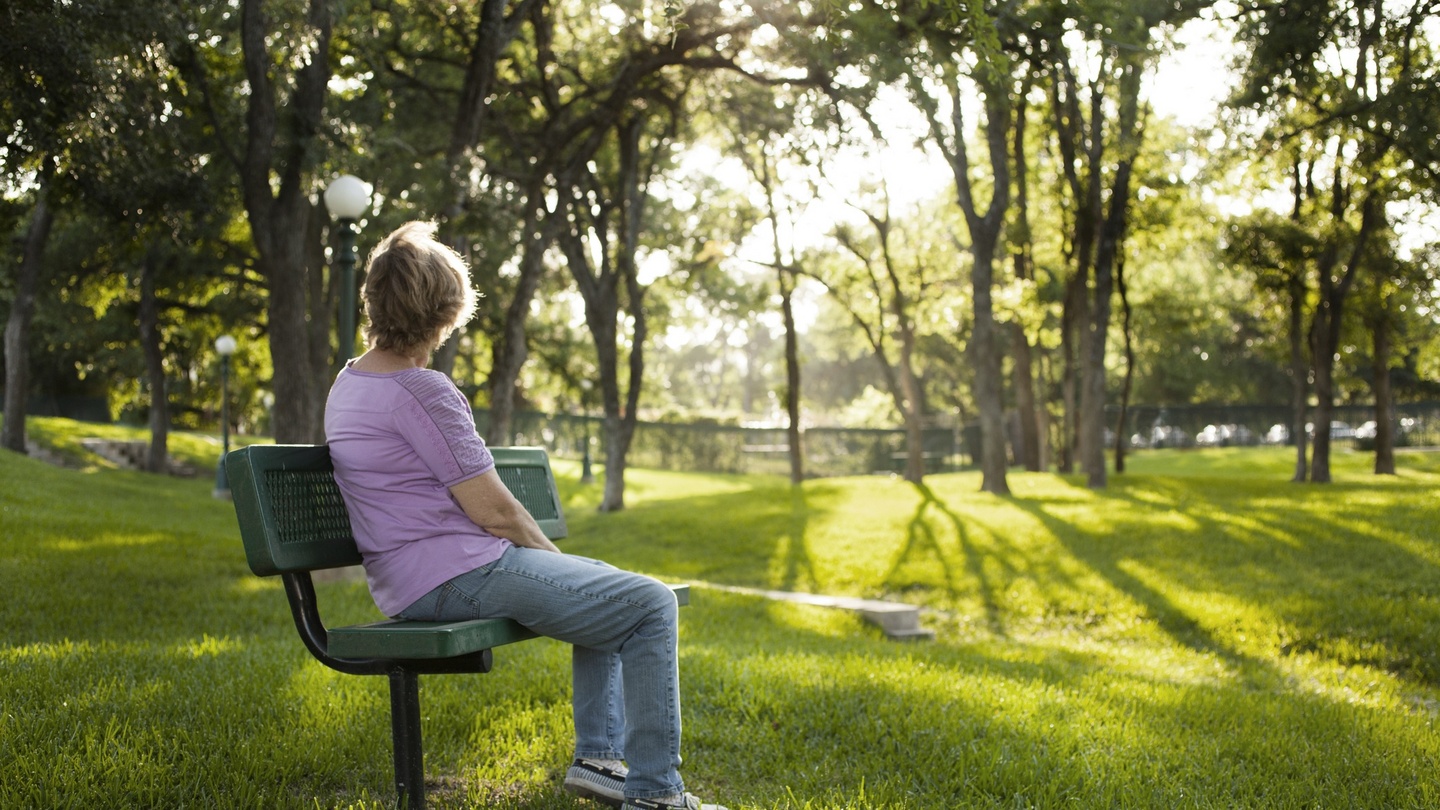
(443, 539)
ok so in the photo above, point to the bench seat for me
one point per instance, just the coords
(395, 638)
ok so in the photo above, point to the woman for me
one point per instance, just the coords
(443, 539)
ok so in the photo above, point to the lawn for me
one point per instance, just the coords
(1200, 634)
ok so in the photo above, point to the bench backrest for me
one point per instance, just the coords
(293, 518)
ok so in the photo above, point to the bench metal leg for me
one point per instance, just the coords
(405, 731)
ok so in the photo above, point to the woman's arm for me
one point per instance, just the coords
(488, 502)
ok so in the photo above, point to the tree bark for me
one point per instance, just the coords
(1029, 451)
(509, 349)
(279, 213)
(1384, 397)
(17, 327)
(1325, 328)
(792, 377)
(1125, 388)
(984, 228)
(1107, 255)
(149, 321)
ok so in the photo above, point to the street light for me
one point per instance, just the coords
(347, 199)
(224, 346)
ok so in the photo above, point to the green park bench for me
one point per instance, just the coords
(293, 521)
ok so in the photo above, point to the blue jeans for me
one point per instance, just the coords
(625, 634)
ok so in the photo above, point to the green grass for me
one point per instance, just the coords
(1200, 634)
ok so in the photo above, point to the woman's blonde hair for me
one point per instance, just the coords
(417, 291)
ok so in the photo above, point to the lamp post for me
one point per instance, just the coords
(586, 475)
(347, 199)
(224, 346)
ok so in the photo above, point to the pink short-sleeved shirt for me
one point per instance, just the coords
(399, 441)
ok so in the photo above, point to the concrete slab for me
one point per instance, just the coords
(896, 619)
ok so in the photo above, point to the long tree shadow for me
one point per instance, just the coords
(1328, 572)
(920, 539)
(1167, 616)
(797, 568)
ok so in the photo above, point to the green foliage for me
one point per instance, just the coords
(1200, 635)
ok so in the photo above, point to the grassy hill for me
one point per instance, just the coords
(1200, 634)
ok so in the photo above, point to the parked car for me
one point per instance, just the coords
(1366, 434)
(1278, 434)
(1169, 436)
(1226, 436)
(1338, 430)
(1210, 436)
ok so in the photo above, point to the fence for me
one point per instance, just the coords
(1416, 424)
(850, 451)
(733, 449)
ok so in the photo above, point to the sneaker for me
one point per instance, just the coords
(595, 780)
(686, 802)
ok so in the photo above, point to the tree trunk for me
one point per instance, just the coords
(149, 322)
(1107, 256)
(17, 328)
(1325, 331)
(984, 349)
(1073, 314)
(324, 306)
(1120, 437)
(1043, 422)
(1028, 453)
(297, 405)
(1384, 398)
(1299, 366)
(493, 33)
(274, 185)
(1022, 355)
(632, 181)
(1324, 398)
(792, 378)
(509, 350)
(600, 288)
(985, 355)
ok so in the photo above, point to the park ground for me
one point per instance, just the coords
(1202, 633)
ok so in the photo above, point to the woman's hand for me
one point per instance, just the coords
(490, 504)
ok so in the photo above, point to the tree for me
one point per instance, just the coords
(275, 148)
(992, 76)
(52, 77)
(1276, 250)
(759, 132)
(1098, 124)
(884, 290)
(1336, 85)
(605, 217)
(417, 61)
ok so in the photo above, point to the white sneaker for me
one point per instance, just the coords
(686, 802)
(595, 780)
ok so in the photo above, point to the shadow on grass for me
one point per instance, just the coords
(1099, 555)
(754, 537)
(921, 540)
(1001, 724)
(1316, 568)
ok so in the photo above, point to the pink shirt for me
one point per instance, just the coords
(399, 441)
